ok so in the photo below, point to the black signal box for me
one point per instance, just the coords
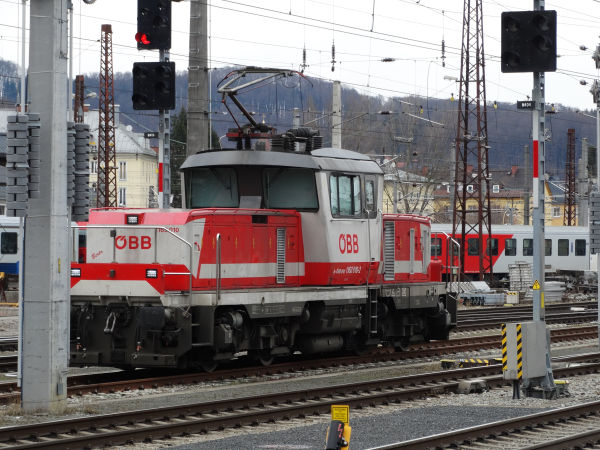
(153, 85)
(528, 41)
(153, 25)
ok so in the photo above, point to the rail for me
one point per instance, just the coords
(156, 229)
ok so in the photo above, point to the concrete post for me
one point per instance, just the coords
(198, 114)
(336, 117)
(583, 185)
(45, 341)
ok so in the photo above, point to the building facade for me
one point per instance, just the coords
(136, 165)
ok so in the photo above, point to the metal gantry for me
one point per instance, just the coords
(106, 188)
(79, 99)
(471, 209)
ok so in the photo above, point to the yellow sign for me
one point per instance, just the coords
(536, 285)
(341, 413)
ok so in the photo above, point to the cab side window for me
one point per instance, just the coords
(345, 195)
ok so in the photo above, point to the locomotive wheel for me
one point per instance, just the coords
(402, 345)
(208, 366)
(264, 357)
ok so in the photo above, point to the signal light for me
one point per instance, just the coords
(142, 38)
(528, 41)
(154, 25)
(153, 85)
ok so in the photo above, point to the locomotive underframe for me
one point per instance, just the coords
(187, 331)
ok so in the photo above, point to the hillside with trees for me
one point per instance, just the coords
(419, 131)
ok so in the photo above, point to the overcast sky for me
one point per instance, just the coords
(274, 32)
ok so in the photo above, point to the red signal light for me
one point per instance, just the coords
(142, 38)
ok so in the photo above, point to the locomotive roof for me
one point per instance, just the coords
(334, 159)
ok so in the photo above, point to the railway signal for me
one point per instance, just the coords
(528, 41)
(153, 25)
(153, 85)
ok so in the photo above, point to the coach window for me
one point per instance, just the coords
(473, 247)
(548, 245)
(8, 243)
(345, 195)
(527, 247)
(492, 244)
(290, 188)
(510, 247)
(563, 247)
(579, 247)
(436, 246)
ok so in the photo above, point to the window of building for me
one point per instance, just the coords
(548, 247)
(510, 247)
(345, 195)
(473, 246)
(527, 247)
(8, 243)
(492, 247)
(122, 170)
(436, 246)
(93, 166)
(556, 211)
(563, 247)
(496, 188)
(470, 188)
(579, 247)
(122, 196)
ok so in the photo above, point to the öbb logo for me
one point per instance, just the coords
(348, 243)
(133, 242)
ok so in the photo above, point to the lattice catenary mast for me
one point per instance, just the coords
(107, 182)
(471, 212)
(570, 211)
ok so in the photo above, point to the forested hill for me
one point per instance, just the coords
(364, 130)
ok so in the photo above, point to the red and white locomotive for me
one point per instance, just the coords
(276, 252)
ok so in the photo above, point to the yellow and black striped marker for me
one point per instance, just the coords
(504, 349)
(468, 362)
(519, 353)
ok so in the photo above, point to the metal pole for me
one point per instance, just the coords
(164, 151)
(598, 189)
(538, 196)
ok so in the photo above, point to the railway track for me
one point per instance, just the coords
(148, 379)
(478, 319)
(570, 427)
(158, 423)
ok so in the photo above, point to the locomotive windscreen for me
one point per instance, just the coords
(271, 187)
(214, 187)
(290, 188)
